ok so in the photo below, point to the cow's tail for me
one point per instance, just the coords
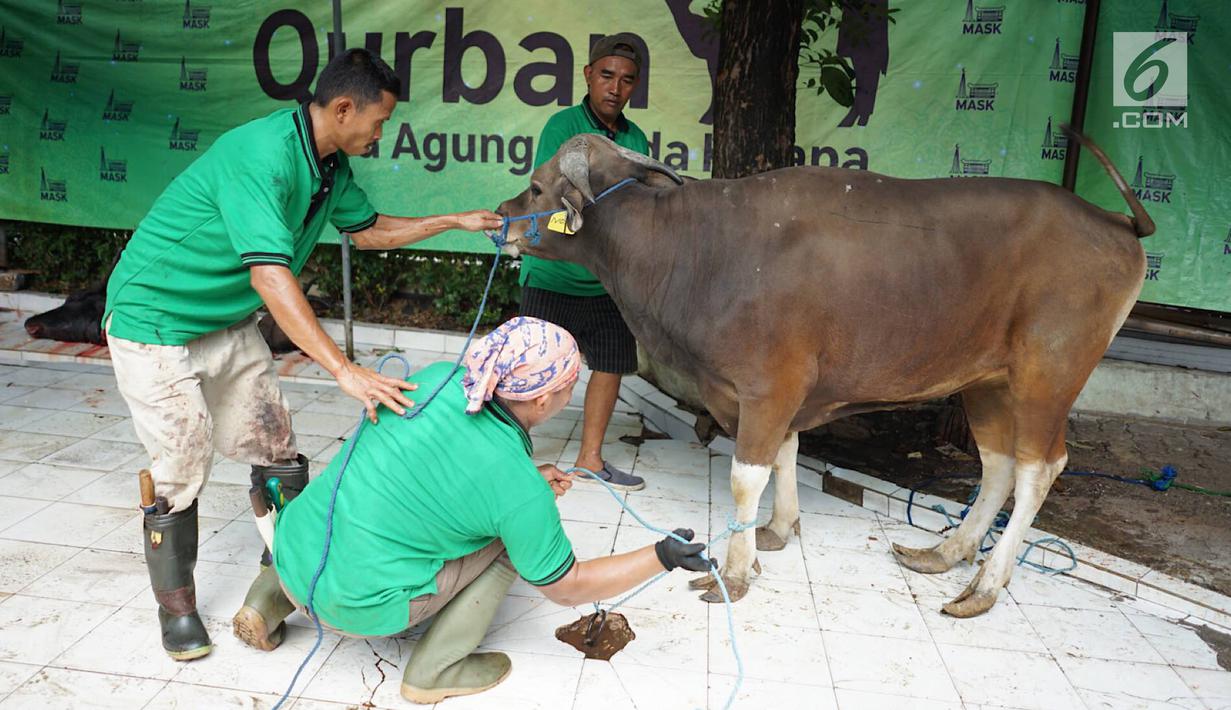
(1142, 224)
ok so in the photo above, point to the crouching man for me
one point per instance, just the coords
(436, 515)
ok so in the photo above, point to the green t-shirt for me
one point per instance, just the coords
(417, 493)
(259, 195)
(564, 276)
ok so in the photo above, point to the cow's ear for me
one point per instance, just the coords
(574, 219)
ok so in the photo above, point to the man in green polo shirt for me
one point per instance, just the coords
(230, 234)
(568, 294)
(437, 514)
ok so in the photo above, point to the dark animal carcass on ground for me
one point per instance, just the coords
(798, 296)
(78, 320)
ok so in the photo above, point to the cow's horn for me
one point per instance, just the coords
(648, 162)
(575, 166)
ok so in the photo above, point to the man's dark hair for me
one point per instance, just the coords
(356, 73)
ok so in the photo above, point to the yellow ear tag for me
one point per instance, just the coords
(559, 223)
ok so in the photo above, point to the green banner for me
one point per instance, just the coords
(961, 88)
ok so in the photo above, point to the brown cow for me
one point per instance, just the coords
(802, 295)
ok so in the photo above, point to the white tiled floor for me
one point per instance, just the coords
(833, 621)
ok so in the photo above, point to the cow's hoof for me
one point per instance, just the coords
(736, 589)
(970, 604)
(708, 581)
(927, 561)
(768, 540)
(703, 582)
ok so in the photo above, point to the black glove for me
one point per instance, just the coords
(672, 553)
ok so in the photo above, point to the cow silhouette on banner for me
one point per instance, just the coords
(863, 38)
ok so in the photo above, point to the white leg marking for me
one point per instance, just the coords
(747, 483)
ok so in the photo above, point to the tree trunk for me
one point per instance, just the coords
(754, 92)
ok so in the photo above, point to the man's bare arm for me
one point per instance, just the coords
(393, 232)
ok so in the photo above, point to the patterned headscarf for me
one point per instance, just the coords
(522, 359)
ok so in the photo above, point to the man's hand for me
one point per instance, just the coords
(478, 220)
(370, 388)
(672, 553)
(559, 481)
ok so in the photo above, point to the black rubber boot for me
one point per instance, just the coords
(171, 556)
(294, 477)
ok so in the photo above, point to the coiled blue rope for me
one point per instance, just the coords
(732, 527)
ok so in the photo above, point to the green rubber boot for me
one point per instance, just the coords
(259, 622)
(442, 665)
(170, 557)
(294, 478)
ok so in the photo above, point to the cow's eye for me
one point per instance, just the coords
(535, 190)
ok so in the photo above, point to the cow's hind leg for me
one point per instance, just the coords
(773, 537)
(990, 415)
(1036, 468)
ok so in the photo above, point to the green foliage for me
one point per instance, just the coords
(66, 258)
(452, 281)
(63, 258)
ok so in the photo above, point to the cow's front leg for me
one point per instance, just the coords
(773, 537)
(747, 483)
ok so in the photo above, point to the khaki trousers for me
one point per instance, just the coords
(216, 393)
(450, 580)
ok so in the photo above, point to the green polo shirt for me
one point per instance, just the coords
(259, 195)
(564, 276)
(417, 493)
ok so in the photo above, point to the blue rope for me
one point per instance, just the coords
(732, 527)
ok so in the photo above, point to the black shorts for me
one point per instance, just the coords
(602, 336)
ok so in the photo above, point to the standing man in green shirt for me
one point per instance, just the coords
(439, 513)
(231, 233)
(568, 294)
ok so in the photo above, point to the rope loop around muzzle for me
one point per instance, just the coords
(534, 236)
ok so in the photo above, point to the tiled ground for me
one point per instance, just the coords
(833, 622)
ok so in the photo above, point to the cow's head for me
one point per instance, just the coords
(76, 321)
(583, 167)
